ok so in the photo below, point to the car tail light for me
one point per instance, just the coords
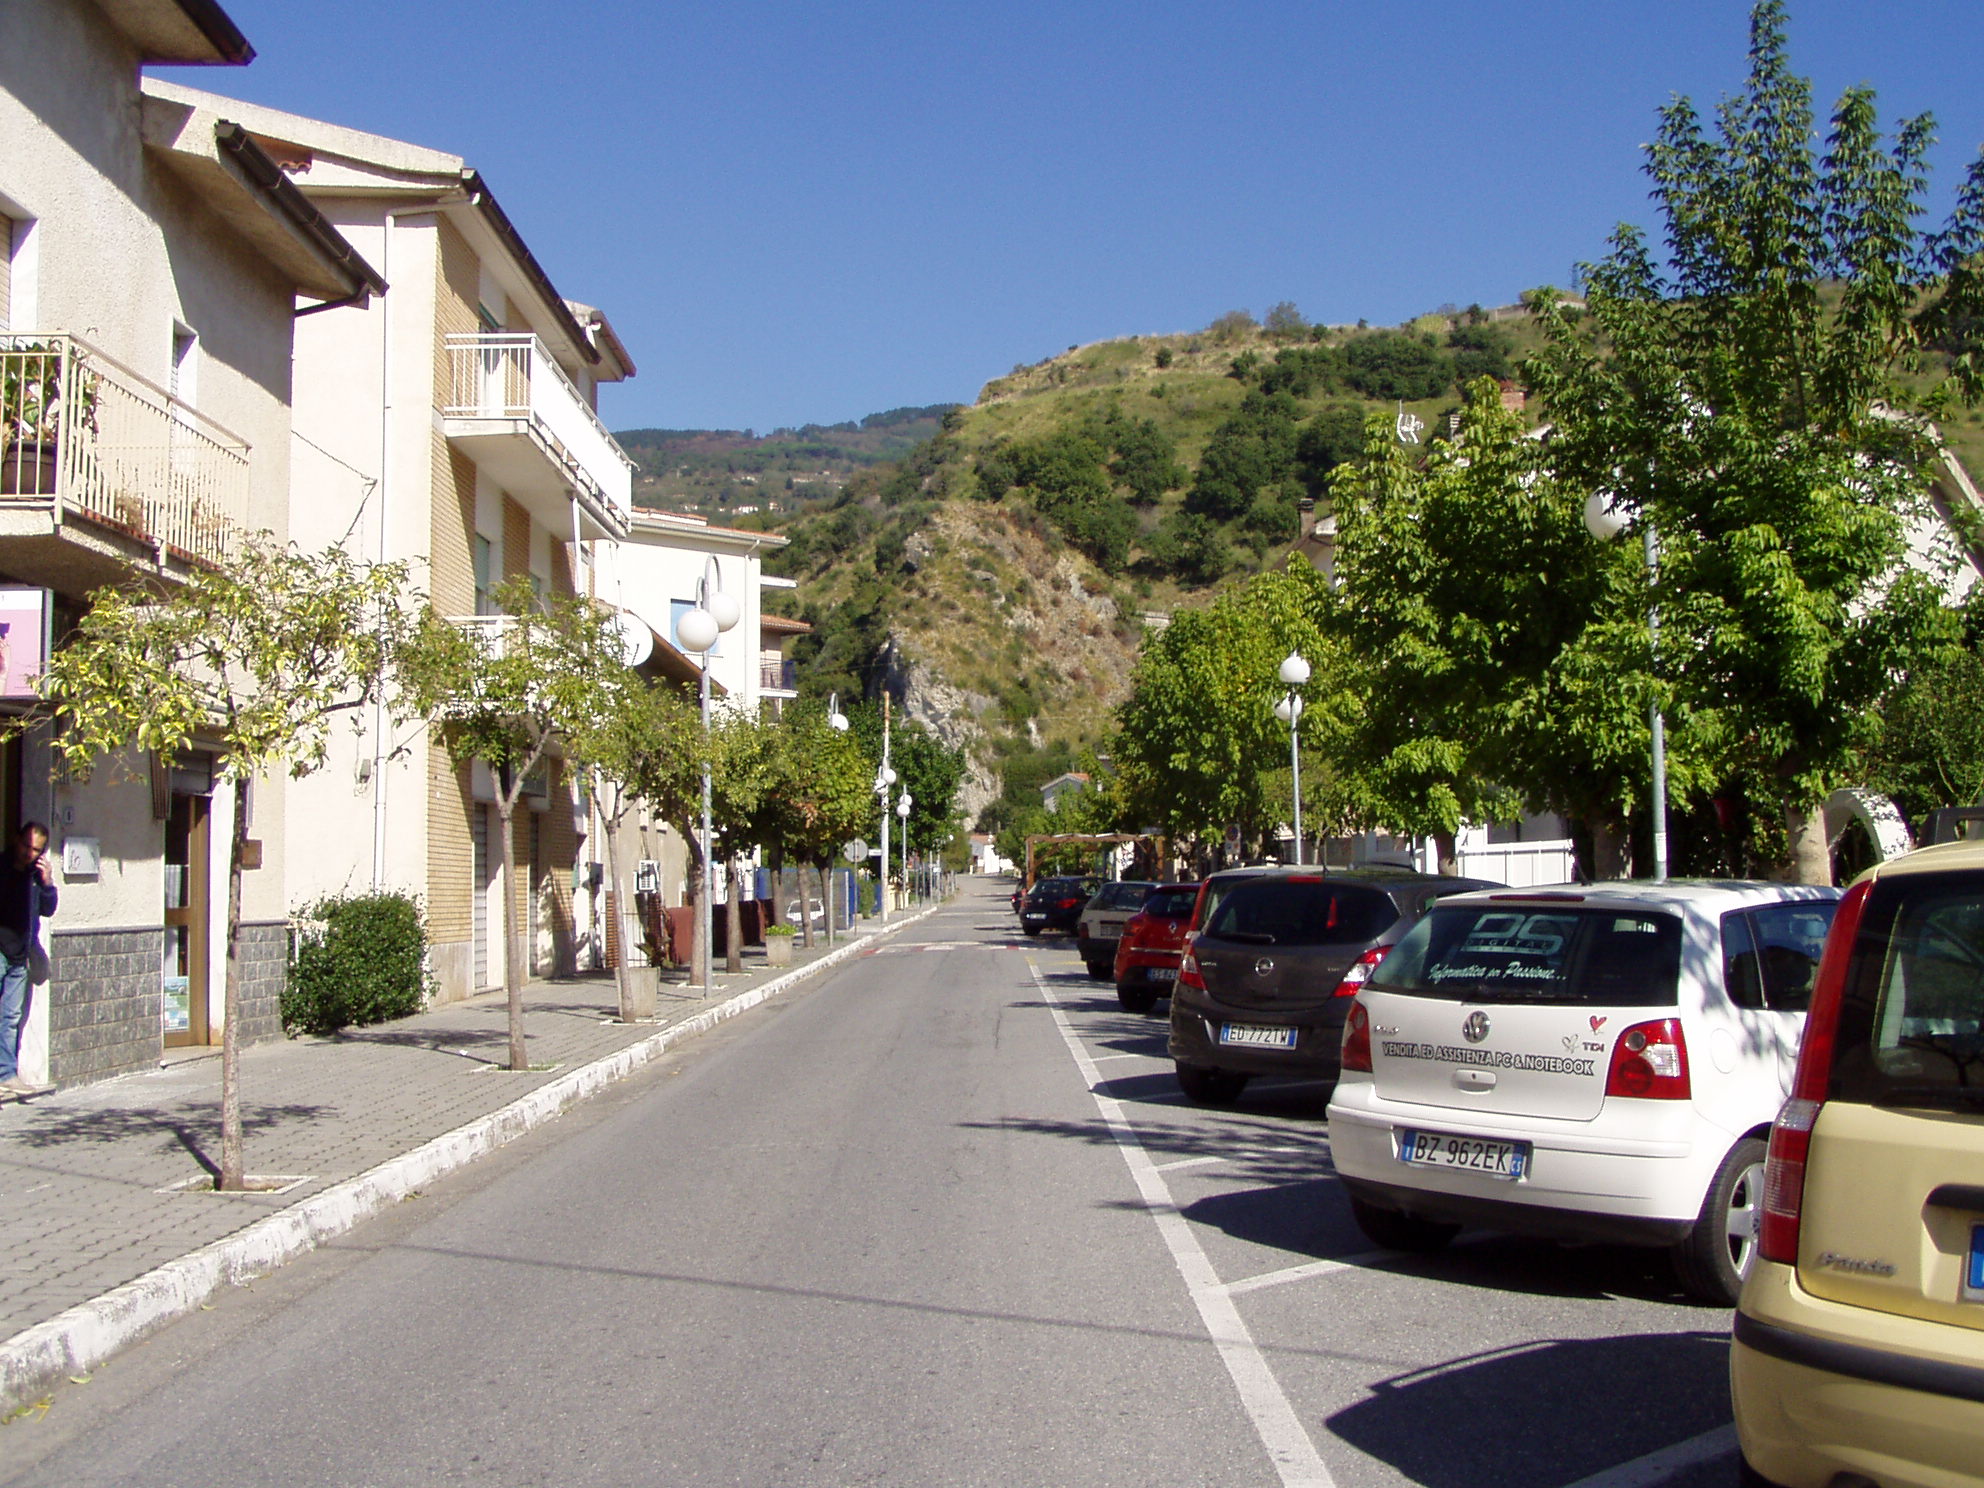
(1359, 971)
(1068, 904)
(1188, 970)
(1791, 1137)
(1650, 1062)
(1357, 1040)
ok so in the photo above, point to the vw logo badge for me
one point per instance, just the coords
(1263, 966)
(1475, 1029)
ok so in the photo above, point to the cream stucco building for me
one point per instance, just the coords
(453, 424)
(154, 263)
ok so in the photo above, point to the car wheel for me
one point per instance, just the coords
(1712, 1262)
(1395, 1231)
(1135, 999)
(1100, 971)
(1210, 1087)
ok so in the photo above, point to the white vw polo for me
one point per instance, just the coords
(1594, 1062)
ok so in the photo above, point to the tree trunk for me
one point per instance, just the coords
(805, 909)
(513, 981)
(232, 1161)
(1805, 837)
(622, 983)
(733, 919)
(1609, 845)
(1447, 855)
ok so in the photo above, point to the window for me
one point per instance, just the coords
(1295, 912)
(1496, 953)
(1911, 1028)
(485, 575)
(185, 364)
(7, 230)
(1770, 956)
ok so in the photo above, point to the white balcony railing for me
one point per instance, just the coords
(82, 434)
(512, 377)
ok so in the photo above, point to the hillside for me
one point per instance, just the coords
(728, 473)
(998, 578)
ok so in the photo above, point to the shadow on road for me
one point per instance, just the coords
(1580, 1405)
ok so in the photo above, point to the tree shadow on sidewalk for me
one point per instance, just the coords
(196, 1130)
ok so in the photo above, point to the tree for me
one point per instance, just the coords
(258, 658)
(1494, 651)
(1253, 449)
(1197, 741)
(642, 744)
(1928, 752)
(1758, 397)
(817, 793)
(1395, 366)
(513, 690)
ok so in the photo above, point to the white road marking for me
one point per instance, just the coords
(1309, 1269)
(1185, 1162)
(1288, 1445)
(1098, 1058)
(1658, 1467)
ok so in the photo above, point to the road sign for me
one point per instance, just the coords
(855, 851)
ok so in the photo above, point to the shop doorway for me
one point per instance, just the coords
(188, 862)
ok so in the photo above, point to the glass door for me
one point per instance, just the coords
(186, 921)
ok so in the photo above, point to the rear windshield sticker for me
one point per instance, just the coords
(1508, 1059)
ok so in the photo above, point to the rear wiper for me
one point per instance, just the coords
(1950, 1097)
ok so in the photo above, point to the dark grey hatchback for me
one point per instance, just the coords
(1272, 962)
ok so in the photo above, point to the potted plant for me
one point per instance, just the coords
(778, 945)
(33, 403)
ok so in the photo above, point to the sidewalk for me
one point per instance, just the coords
(98, 1245)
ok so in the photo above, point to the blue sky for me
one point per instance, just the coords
(810, 212)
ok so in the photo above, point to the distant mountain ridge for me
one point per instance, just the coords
(728, 472)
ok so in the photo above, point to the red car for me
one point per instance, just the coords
(1153, 939)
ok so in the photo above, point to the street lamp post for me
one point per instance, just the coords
(1604, 520)
(902, 810)
(697, 631)
(1294, 673)
(837, 721)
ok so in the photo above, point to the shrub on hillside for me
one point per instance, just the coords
(358, 959)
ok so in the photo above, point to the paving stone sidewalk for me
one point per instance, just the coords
(87, 1176)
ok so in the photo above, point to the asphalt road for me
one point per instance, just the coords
(938, 1219)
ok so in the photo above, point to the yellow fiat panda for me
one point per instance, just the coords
(1858, 1357)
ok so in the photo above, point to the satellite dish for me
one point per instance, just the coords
(855, 851)
(636, 640)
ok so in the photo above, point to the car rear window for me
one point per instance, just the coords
(1911, 1029)
(1120, 896)
(1529, 953)
(1172, 904)
(1284, 911)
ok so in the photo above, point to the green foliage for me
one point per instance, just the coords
(1193, 546)
(1283, 319)
(1749, 394)
(817, 792)
(358, 959)
(1333, 437)
(1252, 450)
(1395, 366)
(1928, 752)
(1231, 326)
(1480, 351)
(1197, 743)
(258, 657)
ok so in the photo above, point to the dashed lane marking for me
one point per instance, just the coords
(1295, 1458)
(1309, 1269)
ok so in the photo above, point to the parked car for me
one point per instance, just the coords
(1859, 1342)
(1101, 923)
(1271, 961)
(1591, 1063)
(1055, 903)
(1153, 939)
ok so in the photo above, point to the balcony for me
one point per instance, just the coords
(511, 408)
(778, 676)
(101, 469)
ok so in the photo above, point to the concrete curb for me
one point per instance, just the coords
(75, 1341)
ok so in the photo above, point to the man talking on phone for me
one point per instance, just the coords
(27, 897)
